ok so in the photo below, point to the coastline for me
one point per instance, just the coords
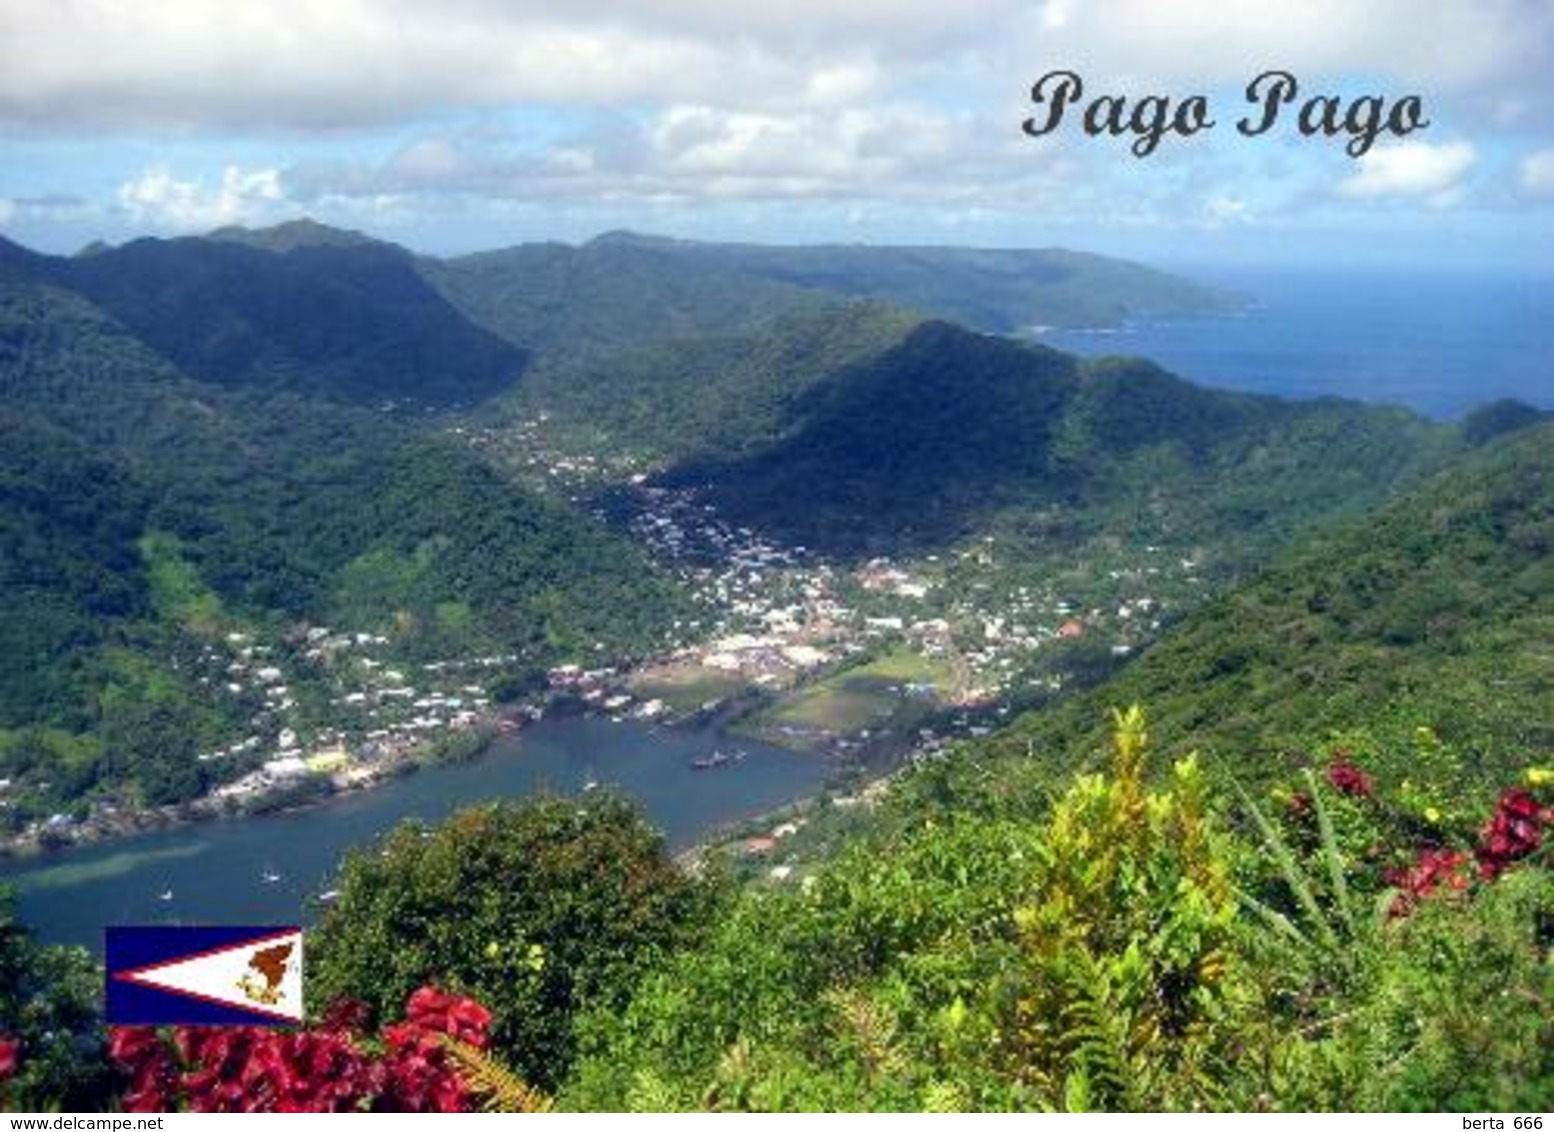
(305, 795)
(319, 792)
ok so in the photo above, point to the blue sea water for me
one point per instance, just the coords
(268, 870)
(1439, 342)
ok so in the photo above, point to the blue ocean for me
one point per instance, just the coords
(1437, 342)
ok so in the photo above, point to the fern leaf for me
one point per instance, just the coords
(498, 1087)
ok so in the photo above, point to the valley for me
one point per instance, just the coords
(592, 623)
(361, 557)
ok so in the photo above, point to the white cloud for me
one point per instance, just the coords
(1449, 44)
(697, 152)
(1535, 174)
(297, 64)
(1411, 169)
(863, 105)
(301, 65)
(160, 200)
(1225, 210)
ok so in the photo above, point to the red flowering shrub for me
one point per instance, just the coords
(462, 1019)
(1347, 778)
(330, 1069)
(1433, 868)
(150, 1063)
(1512, 834)
(10, 1054)
(1515, 831)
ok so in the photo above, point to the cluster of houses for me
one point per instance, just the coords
(377, 713)
(603, 689)
(775, 616)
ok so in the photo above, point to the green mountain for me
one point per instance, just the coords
(623, 290)
(346, 320)
(1435, 611)
(561, 300)
(1003, 291)
(324, 312)
(176, 511)
(69, 568)
(945, 431)
(261, 359)
(721, 394)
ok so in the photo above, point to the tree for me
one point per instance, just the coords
(51, 1040)
(537, 908)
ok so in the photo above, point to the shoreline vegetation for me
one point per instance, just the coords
(305, 794)
(320, 790)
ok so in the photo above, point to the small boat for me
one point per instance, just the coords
(590, 785)
(270, 876)
(329, 897)
(165, 895)
(717, 759)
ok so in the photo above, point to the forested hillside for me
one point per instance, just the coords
(924, 443)
(257, 519)
(1429, 619)
(148, 515)
(998, 290)
(342, 321)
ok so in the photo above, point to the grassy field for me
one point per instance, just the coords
(686, 687)
(891, 691)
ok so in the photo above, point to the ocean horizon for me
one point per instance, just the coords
(1439, 344)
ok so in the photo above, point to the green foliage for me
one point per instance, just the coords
(49, 1003)
(959, 962)
(1426, 623)
(1128, 948)
(178, 593)
(720, 394)
(1441, 1010)
(69, 571)
(539, 909)
(561, 301)
(1124, 1000)
(800, 999)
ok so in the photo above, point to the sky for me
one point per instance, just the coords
(471, 124)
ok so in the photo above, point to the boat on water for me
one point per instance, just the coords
(717, 759)
(165, 895)
(329, 897)
(270, 876)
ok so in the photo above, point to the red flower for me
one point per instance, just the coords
(10, 1051)
(130, 1045)
(1348, 778)
(461, 1018)
(262, 1070)
(1431, 869)
(1515, 831)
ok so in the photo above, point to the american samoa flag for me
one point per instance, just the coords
(204, 976)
